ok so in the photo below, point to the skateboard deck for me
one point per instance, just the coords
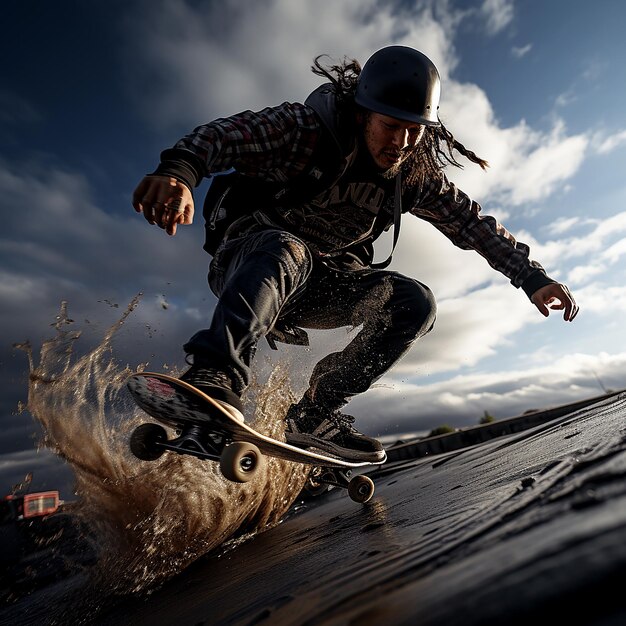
(208, 431)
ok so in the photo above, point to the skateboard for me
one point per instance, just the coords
(205, 429)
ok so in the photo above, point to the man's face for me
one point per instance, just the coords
(388, 139)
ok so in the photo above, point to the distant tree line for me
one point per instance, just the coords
(444, 429)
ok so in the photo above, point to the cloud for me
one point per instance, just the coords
(566, 98)
(479, 313)
(606, 145)
(423, 252)
(67, 240)
(563, 224)
(468, 329)
(602, 241)
(581, 274)
(461, 401)
(525, 165)
(190, 63)
(603, 300)
(522, 51)
(584, 84)
(16, 110)
(498, 14)
(615, 252)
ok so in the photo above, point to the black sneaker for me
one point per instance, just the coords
(217, 385)
(310, 426)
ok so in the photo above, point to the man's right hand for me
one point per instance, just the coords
(164, 201)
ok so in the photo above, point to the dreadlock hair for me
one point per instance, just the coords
(433, 153)
(344, 77)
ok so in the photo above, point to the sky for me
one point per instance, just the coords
(92, 92)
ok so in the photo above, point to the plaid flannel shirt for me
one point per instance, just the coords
(277, 143)
(274, 144)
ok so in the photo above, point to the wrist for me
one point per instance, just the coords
(535, 281)
(182, 165)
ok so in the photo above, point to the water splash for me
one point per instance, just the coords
(150, 520)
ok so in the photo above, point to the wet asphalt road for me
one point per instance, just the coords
(526, 527)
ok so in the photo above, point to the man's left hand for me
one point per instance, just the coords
(555, 297)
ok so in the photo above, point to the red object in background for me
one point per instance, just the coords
(33, 504)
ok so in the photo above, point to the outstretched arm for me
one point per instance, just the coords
(275, 144)
(458, 217)
(555, 297)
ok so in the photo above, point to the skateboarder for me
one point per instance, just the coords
(291, 226)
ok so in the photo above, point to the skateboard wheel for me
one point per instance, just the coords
(144, 442)
(240, 461)
(361, 489)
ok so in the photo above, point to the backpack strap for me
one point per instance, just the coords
(397, 216)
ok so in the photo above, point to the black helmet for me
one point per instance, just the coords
(400, 82)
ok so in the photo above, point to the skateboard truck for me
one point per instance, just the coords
(360, 488)
(238, 460)
(149, 441)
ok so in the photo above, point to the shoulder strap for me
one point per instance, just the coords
(397, 216)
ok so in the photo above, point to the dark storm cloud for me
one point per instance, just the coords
(64, 247)
(48, 472)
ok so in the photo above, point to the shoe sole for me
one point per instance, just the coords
(348, 454)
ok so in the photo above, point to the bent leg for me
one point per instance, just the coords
(253, 276)
(394, 311)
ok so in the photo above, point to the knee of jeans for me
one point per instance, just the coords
(415, 301)
(289, 250)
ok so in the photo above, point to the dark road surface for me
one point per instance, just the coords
(526, 527)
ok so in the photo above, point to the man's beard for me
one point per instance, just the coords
(395, 169)
(409, 153)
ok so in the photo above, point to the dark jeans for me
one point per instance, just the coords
(270, 275)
